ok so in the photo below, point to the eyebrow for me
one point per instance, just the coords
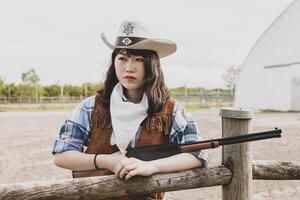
(125, 54)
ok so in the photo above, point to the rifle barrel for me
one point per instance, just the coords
(208, 144)
(241, 138)
(251, 137)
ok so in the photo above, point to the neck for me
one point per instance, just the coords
(134, 96)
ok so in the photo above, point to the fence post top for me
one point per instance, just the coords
(236, 113)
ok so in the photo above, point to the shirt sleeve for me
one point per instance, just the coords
(75, 132)
(184, 130)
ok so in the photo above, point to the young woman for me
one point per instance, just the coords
(134, 108)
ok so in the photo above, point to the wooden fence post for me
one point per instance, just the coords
(237, 157)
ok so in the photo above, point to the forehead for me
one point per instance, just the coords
(130, 52)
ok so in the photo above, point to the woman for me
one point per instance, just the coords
(132, 109)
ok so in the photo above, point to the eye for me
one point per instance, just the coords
(140, 59)
(122, 58)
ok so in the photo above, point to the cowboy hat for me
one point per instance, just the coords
(132, 35)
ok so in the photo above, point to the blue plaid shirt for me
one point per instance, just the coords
(75, 133)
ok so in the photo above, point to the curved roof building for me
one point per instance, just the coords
(270, 75)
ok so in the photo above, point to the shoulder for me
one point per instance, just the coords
(181, 117)
(85, 107)
(87, 104)
(178, 113)
(180, 110)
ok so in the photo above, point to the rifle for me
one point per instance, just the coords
(154, 152)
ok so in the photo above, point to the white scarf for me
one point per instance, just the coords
(126, 117)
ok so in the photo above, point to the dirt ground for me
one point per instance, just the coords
(26, 139)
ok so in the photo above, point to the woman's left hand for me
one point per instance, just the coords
(129, 167)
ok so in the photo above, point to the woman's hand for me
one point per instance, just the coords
(129, 167)
(109, 161)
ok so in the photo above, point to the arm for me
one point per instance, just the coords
(74, 160)
(175, 163)
(185, 130)
(77, 161)
(129, 167)
(73, 136)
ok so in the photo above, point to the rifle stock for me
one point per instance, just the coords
(154, 152)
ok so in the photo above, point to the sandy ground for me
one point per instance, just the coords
(26, 139)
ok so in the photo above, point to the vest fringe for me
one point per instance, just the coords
(102, 119)
(159, 124)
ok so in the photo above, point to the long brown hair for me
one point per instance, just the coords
(154, 87)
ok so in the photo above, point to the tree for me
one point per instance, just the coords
(73, 90)
(30, 77)
(11, 90)
(1, 85)
(231, 76)
(30, 86)
(90, 88)
(51, 91)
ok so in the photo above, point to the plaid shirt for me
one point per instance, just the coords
(75, 133)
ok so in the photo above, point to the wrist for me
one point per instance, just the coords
(101, 161)
(107, 161)
(155, 167)
(96, 165)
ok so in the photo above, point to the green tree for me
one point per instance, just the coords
(11, 90)
(30, 77)
(51, 91)
(73, 91)
(1, 85)
(90, 89)
(30, 86)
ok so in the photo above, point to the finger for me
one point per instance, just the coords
(120, 165)
(118, 168)
(126, 169)
(123, 172)
(131, 174)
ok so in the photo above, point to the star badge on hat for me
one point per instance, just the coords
(128, 28)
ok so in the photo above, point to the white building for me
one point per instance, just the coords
(270, 75)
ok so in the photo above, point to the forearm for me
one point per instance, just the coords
(177, 162)
(77, 161)
(74, 160)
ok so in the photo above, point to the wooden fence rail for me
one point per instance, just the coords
(275, 170)
(111, 186)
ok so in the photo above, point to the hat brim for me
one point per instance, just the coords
(161, 46)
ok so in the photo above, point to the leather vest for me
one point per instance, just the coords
(155, 130)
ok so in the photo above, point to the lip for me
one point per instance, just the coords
(129, 77)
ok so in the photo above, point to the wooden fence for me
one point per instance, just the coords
(204, 99)
(235, 174)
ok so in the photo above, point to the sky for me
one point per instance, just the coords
(60, 39)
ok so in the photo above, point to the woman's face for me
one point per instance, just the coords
(130, 71)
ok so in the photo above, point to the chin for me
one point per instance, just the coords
(131, 86)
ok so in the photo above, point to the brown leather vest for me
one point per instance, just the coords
(155, 130)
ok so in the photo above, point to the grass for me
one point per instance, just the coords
(35, 109)
(278, 111)
(195, 107)
(28, 108)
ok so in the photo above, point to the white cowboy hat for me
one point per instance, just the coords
(132, 35)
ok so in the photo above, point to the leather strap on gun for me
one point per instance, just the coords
(154, 152)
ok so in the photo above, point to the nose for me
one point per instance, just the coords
(129, 66)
